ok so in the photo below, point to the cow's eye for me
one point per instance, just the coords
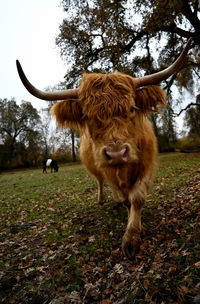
(132, 109)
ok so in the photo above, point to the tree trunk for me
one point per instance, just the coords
(73, 146)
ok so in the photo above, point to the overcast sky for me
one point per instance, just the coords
(27, 31)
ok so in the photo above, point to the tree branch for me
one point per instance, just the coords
(177, 30)
(196, 6)
(137, 37)
(6, 131)
(191, 16)
(186, 108)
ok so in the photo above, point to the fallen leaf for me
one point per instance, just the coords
(91, 239)
(157, 257)
(146, 283)
(106, 302)
(11, 300)
(197, 265)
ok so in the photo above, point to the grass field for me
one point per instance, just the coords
(57, 243)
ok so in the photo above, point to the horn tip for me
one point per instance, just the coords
(19, 68)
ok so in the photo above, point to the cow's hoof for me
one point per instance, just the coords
(130, 249)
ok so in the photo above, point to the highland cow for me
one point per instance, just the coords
(118, 144)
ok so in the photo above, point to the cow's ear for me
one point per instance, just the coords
(68, 113)
(149, 98)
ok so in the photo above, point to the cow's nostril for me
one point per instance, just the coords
(116, 156)
(108, 157)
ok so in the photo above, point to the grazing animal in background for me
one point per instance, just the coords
(50, 163)
(117, 141)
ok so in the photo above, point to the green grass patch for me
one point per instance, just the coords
(55, 240)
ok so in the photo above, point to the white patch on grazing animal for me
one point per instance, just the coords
(48, 163)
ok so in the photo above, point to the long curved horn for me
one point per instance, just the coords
(58, 95)
(162, 75)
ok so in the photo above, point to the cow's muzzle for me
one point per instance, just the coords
(116, 154)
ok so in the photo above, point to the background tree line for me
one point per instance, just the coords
(26, 139)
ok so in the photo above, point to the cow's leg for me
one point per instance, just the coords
(100, 183)
(118, 197)
(131, 238)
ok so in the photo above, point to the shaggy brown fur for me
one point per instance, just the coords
(68, 114)
(110, 113)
